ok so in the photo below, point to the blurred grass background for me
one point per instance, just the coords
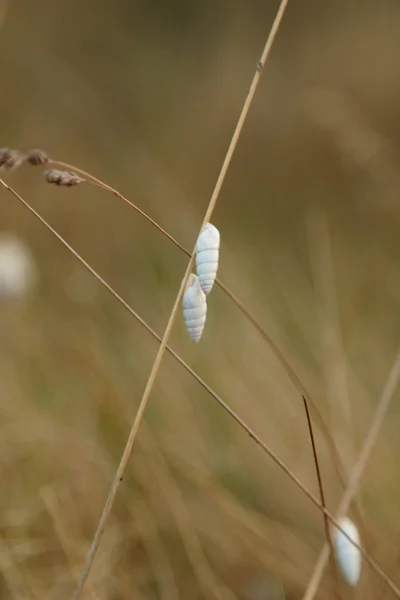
(146, 96)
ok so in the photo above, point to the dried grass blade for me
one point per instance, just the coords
(146, 394)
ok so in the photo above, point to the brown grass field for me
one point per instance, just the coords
(145, 95)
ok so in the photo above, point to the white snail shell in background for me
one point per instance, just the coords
(18, 270)
(348, 556)
(194, 308)
(207, 255)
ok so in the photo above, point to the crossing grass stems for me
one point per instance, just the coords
(75, 176)
(377, 421)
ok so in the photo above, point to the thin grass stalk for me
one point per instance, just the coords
(157, 362)
(370, 440)
(220, 401)
(335, 576)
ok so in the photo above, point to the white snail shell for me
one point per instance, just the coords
(348, 556)
(207, 255)
(194, 308)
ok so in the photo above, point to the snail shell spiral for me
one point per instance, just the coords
(194, 308)
(207, 256)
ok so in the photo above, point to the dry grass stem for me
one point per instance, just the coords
(335, 576)
(157, 362)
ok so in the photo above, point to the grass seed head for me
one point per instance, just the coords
(64, 178)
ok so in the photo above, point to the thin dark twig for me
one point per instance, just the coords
(220, 401)
(322, 496)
